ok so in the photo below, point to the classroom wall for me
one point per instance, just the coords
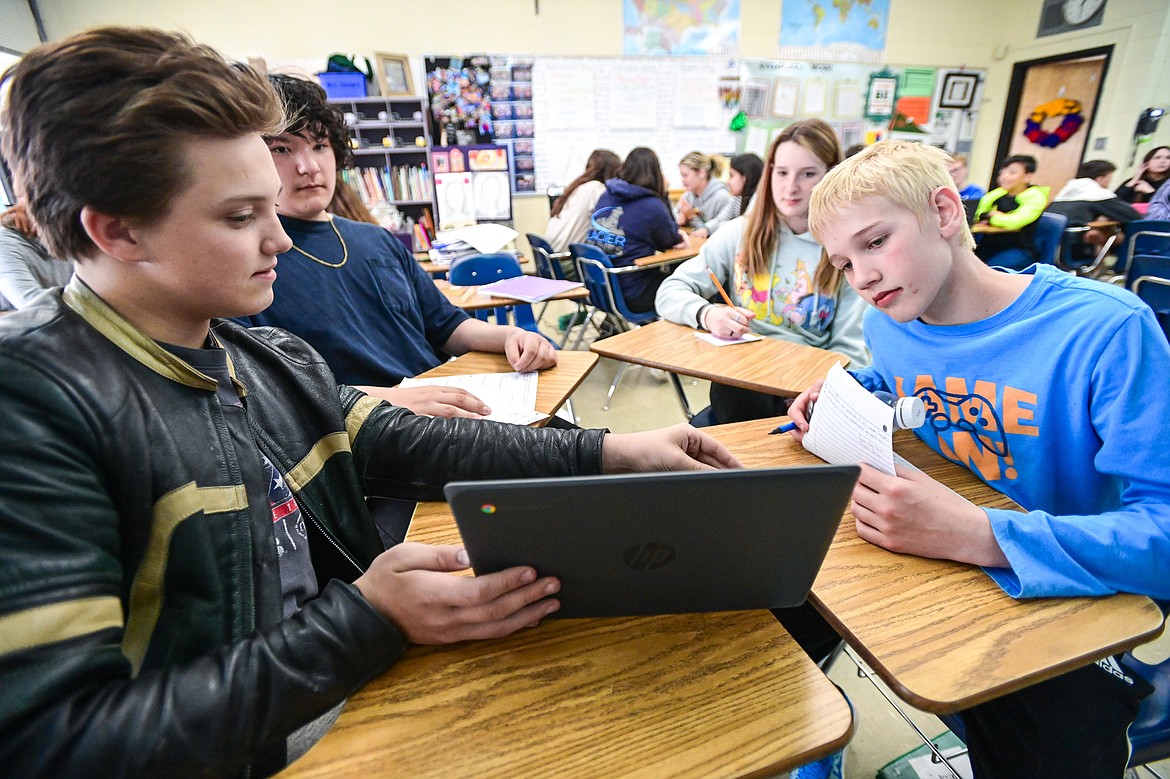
(990, 34)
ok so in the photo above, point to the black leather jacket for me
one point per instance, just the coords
(140, 618)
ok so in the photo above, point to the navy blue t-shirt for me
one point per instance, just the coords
(376, 319)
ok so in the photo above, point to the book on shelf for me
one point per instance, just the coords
(530, 289)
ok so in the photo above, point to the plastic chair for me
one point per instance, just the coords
(601, 279)
(1149, 276)
(479, 269)
(549, 265)
(1049, 230)
(1149, 237)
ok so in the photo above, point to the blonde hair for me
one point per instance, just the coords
(762, 231)
(904, 173)
(696, 160)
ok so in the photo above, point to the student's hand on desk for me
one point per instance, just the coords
(412, 586)
(677, 448)
(728, 322)
(798, 410)
(447, 402)
(700, 232)
(912, 513)
(529, 351)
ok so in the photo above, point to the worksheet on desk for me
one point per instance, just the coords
(850, 425)
(510, 396)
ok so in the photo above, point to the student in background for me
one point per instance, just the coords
(1088, 198)
(568, 221)
(1148, 178)
(1052, 390)
(743, 177)
(771, 267)
(705, 196)
(26, 267)
(1160, 205)
(164, 613)
(1012, 208)
(633, 220)
(958, 171)
(353, 291)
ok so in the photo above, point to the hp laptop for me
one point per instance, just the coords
(660, 543)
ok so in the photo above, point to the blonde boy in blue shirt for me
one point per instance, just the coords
(1051, 389)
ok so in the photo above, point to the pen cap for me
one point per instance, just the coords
(909, 411)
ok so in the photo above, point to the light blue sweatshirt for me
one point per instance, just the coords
(1060, 402)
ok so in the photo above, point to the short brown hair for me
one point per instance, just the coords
(95, 120)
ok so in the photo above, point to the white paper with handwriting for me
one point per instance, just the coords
(849, 425)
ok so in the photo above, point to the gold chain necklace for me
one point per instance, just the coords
(344, 250)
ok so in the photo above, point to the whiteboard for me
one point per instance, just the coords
(671, 105)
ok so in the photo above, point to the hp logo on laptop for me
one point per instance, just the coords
(649, 556)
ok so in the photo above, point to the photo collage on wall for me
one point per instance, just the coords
(512, 116)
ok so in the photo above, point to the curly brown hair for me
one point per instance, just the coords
(305, 105)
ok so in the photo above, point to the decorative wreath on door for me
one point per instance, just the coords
(1073, 119)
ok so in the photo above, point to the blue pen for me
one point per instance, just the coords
(788, 427)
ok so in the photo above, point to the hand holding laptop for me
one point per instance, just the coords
(677, 448)
(411, 585)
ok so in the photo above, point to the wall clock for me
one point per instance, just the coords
(1059, 16)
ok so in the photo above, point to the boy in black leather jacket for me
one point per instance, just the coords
(190, 583)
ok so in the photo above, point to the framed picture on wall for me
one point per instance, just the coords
(394, 74)
(958, 90)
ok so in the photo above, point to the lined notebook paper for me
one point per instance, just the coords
(849, 425)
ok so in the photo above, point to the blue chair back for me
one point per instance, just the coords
(599, 276)
(1143, 236)
(1149, 735)
(479, 269)
(1149, 279)
(1049, 231)
(542, 252)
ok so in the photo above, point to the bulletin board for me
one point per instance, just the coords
(670, 104)
(863, 103)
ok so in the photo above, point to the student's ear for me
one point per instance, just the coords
(951, 214)
(113, 235)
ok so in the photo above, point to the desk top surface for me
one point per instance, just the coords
(672, 255)
(553, 385)
(942, 634)
(469, 299)
(769, 365)
(694, 695)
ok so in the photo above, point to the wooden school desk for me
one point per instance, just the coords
(769, 365)
(695, 695)
(553, 386)
(942, 634)
(469, 299)
(672, 255)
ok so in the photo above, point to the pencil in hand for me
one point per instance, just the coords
(718, 286)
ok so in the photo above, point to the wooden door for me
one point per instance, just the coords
(1076, 77)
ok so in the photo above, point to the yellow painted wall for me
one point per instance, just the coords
(988, 34)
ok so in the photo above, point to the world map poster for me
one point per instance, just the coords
(681, 27)
(834, 30)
